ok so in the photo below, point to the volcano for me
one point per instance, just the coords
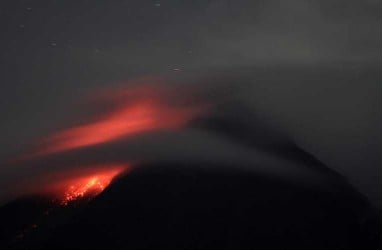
(189, 206)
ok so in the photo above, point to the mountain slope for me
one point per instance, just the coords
(190, 207)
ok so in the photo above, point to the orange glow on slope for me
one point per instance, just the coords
(87, 186)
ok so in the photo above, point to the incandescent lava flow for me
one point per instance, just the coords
(86, 186)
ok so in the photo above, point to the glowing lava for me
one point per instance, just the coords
(88, 186)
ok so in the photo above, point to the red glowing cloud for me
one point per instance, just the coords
(135, 111)
(126, 121)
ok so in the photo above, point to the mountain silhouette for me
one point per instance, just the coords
(189, 206)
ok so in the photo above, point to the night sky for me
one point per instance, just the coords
(309, 68)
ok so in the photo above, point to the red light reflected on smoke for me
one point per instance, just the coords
(128, 117)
